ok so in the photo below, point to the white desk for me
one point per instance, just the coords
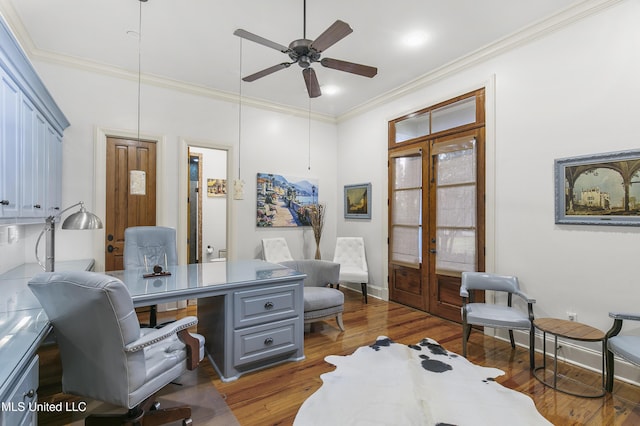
(250, 312)
(23, 327)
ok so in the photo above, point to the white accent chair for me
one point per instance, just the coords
(275, 250)
(495, 315)
(350, 255)
(626, 347)
(106, 355)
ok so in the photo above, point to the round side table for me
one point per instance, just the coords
(569, 330)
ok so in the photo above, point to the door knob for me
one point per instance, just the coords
(110, 248)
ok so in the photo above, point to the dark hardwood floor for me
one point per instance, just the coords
(274, 395)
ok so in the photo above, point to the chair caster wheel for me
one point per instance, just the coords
(187, 422)
(155, 406)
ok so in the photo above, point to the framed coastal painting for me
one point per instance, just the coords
(598, 189)
(357, 201)
(284, 200)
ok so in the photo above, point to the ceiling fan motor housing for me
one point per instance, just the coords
(301, 53)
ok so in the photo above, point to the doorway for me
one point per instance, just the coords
(207, 204)
(437, 203)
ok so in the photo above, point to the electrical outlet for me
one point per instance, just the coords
(572, 316)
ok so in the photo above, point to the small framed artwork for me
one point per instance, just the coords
(357, 201)
(598, 189)
(216, 187)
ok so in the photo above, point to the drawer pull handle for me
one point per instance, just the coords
(269, 305)
(4, 202)
(268, 341)
(37, 206)
(30, 394)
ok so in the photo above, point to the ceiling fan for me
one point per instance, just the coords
(305, 52)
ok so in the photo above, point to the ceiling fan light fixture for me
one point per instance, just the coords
(305, 52)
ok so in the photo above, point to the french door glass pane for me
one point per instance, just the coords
(407, 172)
(406, 207)
(406, 243)
(456, 250)
(454, 206)
(456, 167)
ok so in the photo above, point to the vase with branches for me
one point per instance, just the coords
(316, 216)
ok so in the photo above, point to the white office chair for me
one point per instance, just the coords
(147, 246)
(350, 255)
(106, 355)
(275, 250)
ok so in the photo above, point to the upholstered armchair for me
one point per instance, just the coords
(320, 301)
(350, 255)
(147, 246)
(495, 315)
(275, 250)
(105, 354)
(625, 346)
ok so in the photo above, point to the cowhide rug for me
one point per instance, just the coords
(389, 383)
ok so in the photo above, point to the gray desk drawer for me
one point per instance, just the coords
(266, 341)
(18, 410)
(253, 307)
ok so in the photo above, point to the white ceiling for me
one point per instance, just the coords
(192, 42)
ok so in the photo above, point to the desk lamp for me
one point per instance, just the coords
(81, 219)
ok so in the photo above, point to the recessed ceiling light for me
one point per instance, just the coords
(415, 39)
(330, 89)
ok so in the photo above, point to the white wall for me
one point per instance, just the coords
(572, 92)
(272, 142)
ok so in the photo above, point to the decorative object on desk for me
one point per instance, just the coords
(357, 201)
(284, 200)
(216, 187)
(157, 272)
(598, 189)
(82, 219)
(421, 384)
(316, 214)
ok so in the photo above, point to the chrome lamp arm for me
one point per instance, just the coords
(82, 219)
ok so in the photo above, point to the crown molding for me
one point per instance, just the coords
(542, 28)
(537, 30)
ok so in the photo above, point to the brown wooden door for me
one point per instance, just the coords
(131, 193)
(455, 239)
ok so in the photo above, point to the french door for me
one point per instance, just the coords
(436, 204)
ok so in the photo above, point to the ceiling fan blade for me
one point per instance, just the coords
(336, 32)
(337, 64)
(260, 40)
(313, 87)
(266, 72)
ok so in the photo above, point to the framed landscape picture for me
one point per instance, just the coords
(357, 201)
(598, 189)
(284, 200)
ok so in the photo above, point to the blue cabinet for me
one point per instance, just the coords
(31, 128)
(9, 146)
